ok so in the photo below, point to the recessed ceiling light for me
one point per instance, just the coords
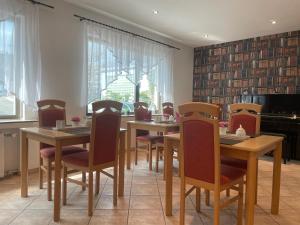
(205, 35)
(273, 21)
(155, 12)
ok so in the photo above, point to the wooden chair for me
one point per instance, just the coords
(50, 110)
(200, 160)
(142, 113)
(247, 115)
(103, 151)
(168, 110)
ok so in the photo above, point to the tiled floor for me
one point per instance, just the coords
(143, 202)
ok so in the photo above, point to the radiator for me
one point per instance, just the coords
(9, 152)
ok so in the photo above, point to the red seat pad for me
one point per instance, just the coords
(78, 159)
(161, 139)
(239, 163)
(49, 152)
(148, 138)
(229, 174)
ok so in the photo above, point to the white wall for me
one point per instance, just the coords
(61, 38)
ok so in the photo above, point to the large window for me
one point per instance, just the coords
(8, 103)
(122, 67)
(123, 90)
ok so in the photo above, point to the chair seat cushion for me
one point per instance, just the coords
(78, 159)
(229, 174)
(49, 153)
(161, 140)
(148, 138)
(238, 163)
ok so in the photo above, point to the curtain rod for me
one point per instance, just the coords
(40, 3)
(125, 31)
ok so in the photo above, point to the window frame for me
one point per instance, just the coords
(17, 111)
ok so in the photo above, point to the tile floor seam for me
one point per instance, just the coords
(129, 201)
(161, 204)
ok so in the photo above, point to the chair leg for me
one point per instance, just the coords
(182, 202)
(64, 193)
(216, 207)
(41, 173)
(198, 199)
(157, 158)
(150, 155)
(136, 152)
(256, 183)
(207, 197)
(115, 191)
(83, 181)
(90, 194)
(49, 180)
(97, 183)
(240, 204)
(228, 192)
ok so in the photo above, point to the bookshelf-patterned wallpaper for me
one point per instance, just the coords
(262, 65)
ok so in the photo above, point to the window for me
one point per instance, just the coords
(123, 90)
(8, 103)
(125, 68)
(120, 88)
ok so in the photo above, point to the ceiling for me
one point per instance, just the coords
(189, 21)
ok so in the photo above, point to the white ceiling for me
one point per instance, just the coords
(187, 21)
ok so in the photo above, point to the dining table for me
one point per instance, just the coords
(158, 126)
(59, 139)
(250, 149)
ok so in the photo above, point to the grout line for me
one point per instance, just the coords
(130, 194)
(160, 198)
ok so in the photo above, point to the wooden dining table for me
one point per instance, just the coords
(59, 139)
(162, 126)
(249, 150)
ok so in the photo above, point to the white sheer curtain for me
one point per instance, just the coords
(110, 53)
(20, 64)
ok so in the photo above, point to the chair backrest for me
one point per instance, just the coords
(168, 108)
(141, 113)
(50, 110)
(200, 142)
(247, 115)
(104, 133)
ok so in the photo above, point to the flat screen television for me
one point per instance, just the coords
(282, 104)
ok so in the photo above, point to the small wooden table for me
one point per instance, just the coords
(163, 127)
(248, 150)
(60, 139)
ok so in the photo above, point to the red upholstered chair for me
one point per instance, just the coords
(103, 150)
(247, 115)
(142, 113)
(50, 110)
(168, 108)
(200, 159)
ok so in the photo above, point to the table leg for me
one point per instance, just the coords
(121, 164)
(250, 188)
(24, 165)
(57, 182)
(276, 179)
(169, 176)
(128, 146)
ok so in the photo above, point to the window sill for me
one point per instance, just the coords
(4, 121)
